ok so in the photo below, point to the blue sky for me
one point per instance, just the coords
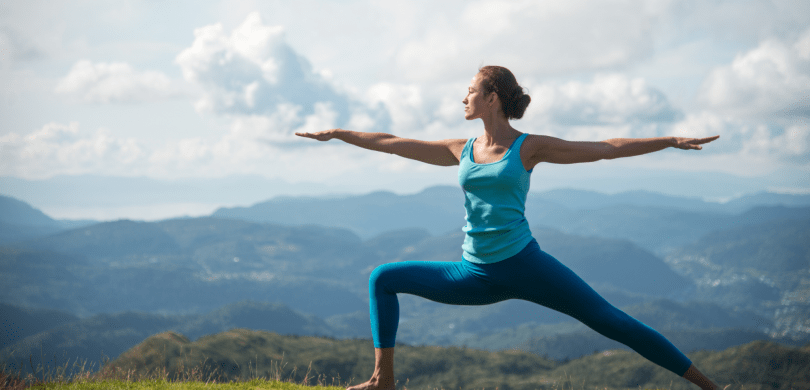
(180, 90)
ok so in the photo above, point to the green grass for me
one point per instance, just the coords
(229, 361)
(167, 385)
(187, 379)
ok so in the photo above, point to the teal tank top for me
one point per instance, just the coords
(495, 199)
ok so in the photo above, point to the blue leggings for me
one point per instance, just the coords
(531, 275)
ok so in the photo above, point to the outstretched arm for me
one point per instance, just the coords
(558, 151)
(443, 152)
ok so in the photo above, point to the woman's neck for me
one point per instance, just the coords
(497, 130)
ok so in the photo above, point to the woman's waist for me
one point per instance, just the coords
(490, 226)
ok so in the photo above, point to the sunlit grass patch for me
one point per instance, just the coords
(255, 384)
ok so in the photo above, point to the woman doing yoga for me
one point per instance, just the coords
(500, 259)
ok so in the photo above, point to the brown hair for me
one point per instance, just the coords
(501, 81)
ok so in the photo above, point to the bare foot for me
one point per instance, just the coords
(374, 384)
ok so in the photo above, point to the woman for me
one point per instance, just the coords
(500, 259)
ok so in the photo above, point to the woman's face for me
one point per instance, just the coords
(475, 104)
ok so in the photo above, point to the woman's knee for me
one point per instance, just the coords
(381, 275)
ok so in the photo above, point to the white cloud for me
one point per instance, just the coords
(791, 144)
(115, 82)
(768, 80)
(530, 37)
(607, 100)
(579, 62)
(405, 105)
(253, 72)
(63, 149)
(748, 147)
(760, 104)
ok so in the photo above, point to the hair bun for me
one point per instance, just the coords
(501, 81)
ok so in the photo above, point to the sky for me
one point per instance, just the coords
(207, 91)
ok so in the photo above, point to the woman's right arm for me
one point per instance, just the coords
(444, 152)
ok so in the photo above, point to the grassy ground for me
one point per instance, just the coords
(82, 379)
(191, 379)
(755, 366)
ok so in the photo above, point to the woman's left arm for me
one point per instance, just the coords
(628, 147)
(558, 151)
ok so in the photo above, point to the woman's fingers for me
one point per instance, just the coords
(694, 143)
(705, 140)
(320, 136)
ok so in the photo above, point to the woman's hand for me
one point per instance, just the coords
(692, 143)
(325, 135)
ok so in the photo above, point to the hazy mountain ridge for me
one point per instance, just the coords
(656, 222)
(68, 337)
(204, 264)
(204, 250)
(220, 260)
(770, 260)
(19, 221)
(438, 209)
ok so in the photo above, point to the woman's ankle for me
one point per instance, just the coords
(695, 376)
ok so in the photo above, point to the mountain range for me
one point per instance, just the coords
(705, 274)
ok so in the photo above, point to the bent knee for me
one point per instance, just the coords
(381, 275)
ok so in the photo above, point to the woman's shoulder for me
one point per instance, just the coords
(532, 147)
(534, 141)
(454, 143)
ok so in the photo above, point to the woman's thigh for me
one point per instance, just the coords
(538, 277)
(439, 281)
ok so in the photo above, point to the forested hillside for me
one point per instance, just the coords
(97, 290)
(235, 353)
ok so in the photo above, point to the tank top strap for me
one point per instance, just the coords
(518, 142)
(514, 150)
(467, 148)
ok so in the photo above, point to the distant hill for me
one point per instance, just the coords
(21, 322)
(766, 199)
(204, 263)
(770, 247)
(764, 267)
(207, 263)
(591, 200)
(516, 324)
(228, 355)
(121, 239)
(437, 209)
(577, 344)
(42, 279)
(755, 365)
(60, 337)
(20, 222)
(599, 261)
(656, 222)
(690, 326)
(761, 266)
(653, 221)
(16, 212)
